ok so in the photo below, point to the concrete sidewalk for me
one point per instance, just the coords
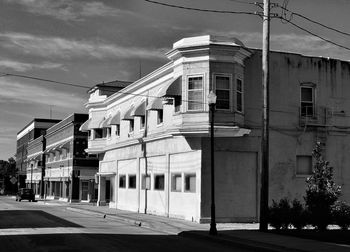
(237, 234)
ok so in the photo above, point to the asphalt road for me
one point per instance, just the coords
(33, 226)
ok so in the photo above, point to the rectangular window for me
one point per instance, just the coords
(195, 93)
(307, 101)
(117, 130)
(159, 182)
(122, 181)
(222, 89)
(177, 103)
(176, 182)
(108, 132)
(142, 122)
(159, 116)
(132, 181)
(104, 133)
(146, 182)
(190, 182)
(239, 95)
(98, 133)
(304, 165)
(131, 126)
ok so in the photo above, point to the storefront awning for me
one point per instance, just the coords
(139, 109)
(85, 126)
(105, 122)
(95, 123)
(155, 104)
(115, 119)
(127, 114)
(173, 89)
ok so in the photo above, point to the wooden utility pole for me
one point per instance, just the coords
(264, 192)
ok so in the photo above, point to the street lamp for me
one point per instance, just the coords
(212, 102)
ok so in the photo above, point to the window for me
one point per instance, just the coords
(98, 133)
(131, 126)
(195, 93)
(146, 182)
(159, 182)
(239, 95)
(190, 182)
(104, 133)
(159, 116)
(222, 90)
(132, 181)
(142, 122)
(108, 132)
(307, 101)
(122, 181)
(117, 130)
(304, 165)
(177, 103)
(89, 134)
(176, 182)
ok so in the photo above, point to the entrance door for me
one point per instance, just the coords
(84, 190)
(108, 190)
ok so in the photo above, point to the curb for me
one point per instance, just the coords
(239, 242)
(105, 215)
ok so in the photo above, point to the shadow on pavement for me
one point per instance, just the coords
(109, 242)
(31, 219)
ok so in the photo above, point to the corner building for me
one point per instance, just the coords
(153, 136)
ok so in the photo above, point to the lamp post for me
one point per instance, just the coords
(212, 102)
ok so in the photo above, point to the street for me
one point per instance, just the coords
(34, 226)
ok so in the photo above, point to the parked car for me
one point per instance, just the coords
(25, 193)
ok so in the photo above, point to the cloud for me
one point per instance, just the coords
(68, 48)
(28, 93)
(23, 67)
(68, 10)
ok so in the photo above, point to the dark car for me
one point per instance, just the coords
(25, 193)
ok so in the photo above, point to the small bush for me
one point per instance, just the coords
(279, 214)
(298, 215)
(341, 214)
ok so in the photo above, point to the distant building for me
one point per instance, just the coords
(70, 171)
(152, 137)
(31, 131)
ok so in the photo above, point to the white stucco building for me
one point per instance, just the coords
(152, 137)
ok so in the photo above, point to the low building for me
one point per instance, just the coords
(31, 131)
(152, 137)
(70, 171)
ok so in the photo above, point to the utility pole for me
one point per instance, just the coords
(264, 192)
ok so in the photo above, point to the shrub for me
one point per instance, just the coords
(279, 214)
(341, 214)
(298, 215)
(321, 192)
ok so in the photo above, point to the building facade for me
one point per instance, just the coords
(70, 171)
(152, 137)
(31, 131)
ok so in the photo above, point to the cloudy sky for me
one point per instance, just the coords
(86, 42)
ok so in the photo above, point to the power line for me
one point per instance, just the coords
(313, 21)
(242, 2)
(202, 10)
(314, 34)
(41, 79)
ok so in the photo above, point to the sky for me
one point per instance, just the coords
(86, 42)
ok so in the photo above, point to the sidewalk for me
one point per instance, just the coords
(237, 234)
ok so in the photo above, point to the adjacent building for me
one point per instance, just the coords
(36, 128)
(70, 171)
(152, 137)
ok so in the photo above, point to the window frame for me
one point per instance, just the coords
(135, 181)
(185, 182)
(117, 130)
(313, 96)
(173, 182)
(160, 117)
(192, 90)
(241, 92)
(296, 166)
(119, 180)
(230, 90)
(155, 176)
